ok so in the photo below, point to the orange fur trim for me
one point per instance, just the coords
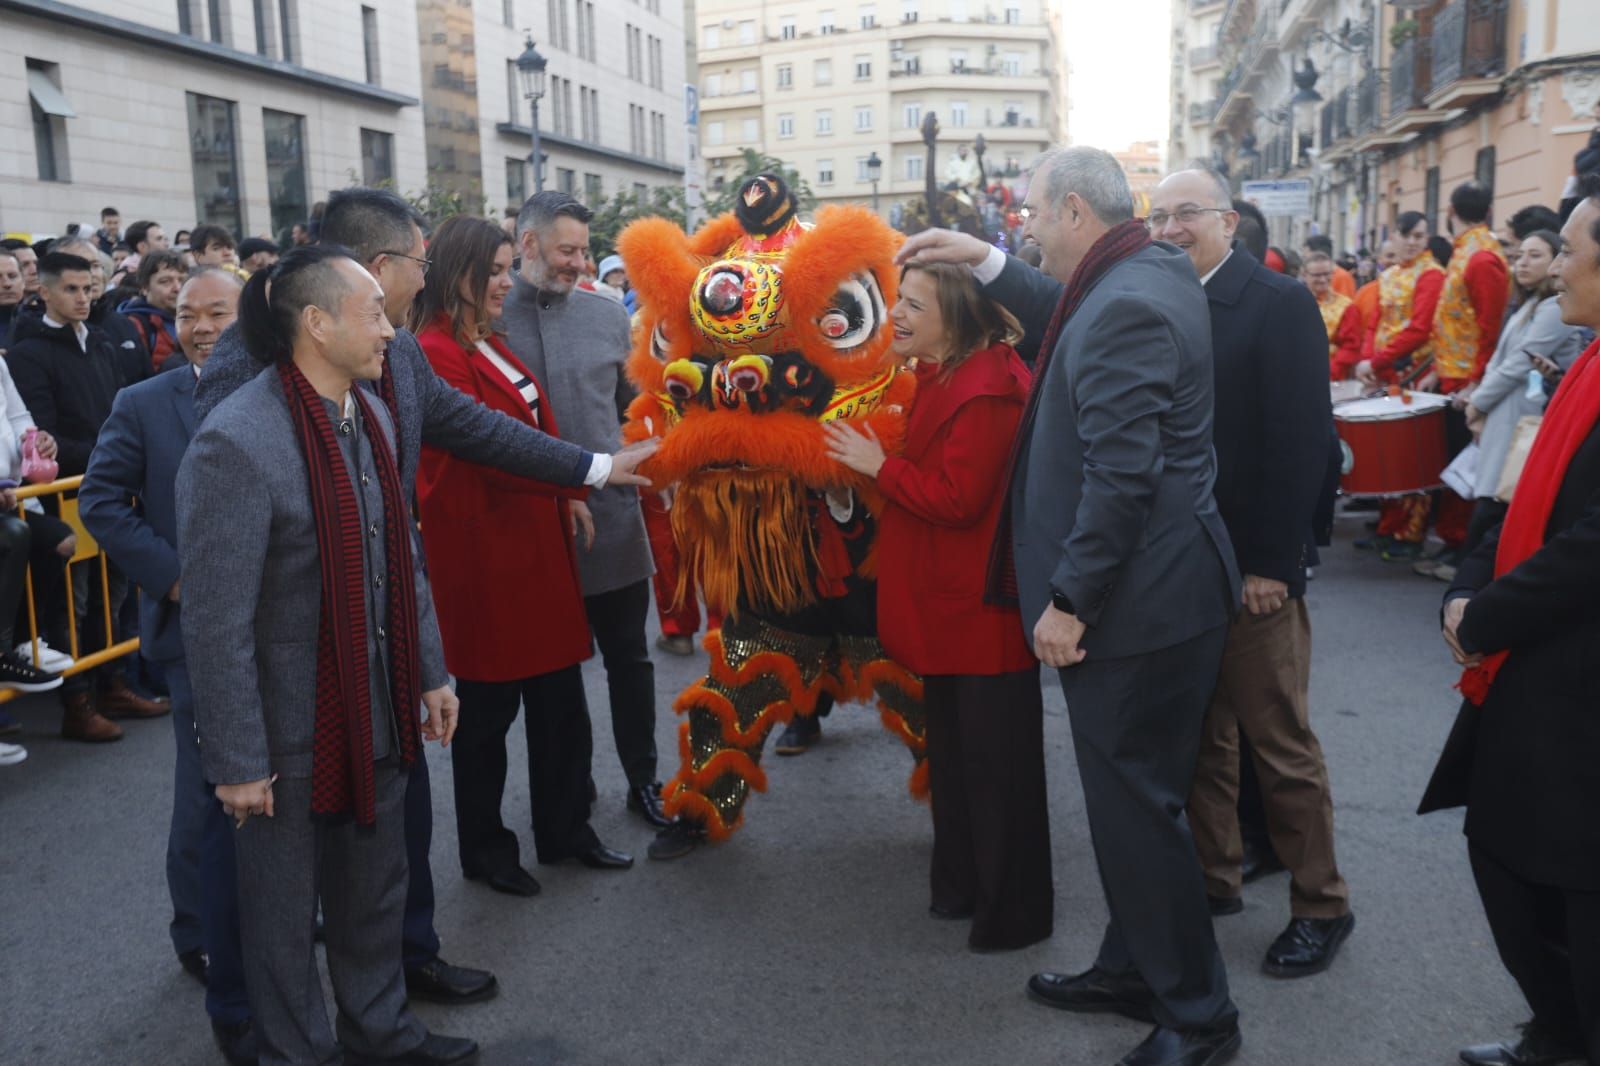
(684, 803)
(716, 704)
(894, 723)
(918, 785)
(779, 665)
(744, 536)
(889, 672)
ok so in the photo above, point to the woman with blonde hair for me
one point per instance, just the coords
(943, 497)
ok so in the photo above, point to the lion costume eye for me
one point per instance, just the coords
(854, 314)
(658, 343)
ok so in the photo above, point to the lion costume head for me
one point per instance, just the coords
(751, 335)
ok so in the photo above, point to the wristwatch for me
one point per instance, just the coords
(1063, 602)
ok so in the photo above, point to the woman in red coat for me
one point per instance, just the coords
(505, 580)
(943, 496)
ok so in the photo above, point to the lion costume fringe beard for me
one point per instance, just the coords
(752, 334)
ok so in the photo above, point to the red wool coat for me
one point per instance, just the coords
(500, 554)
(943, 496)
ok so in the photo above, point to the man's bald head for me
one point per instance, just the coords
(1193, 209)
(207, 304)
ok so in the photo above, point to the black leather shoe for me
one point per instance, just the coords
(601, 857)
(435, 1050)
(1094, 992)
(677, 840)
(513, 882)
(237, 1042)
(1307, 946)
(1222, 906)
(438, 982)
(1537, 1046)
(802, 732)
(645, 801)
(1193, 1047)
(1259, 862)
(951, 914)
(195, 964)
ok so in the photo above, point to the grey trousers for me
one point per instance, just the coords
(1136, 729)
(284, 862)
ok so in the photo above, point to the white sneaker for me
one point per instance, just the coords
(11, 754)
(50, 660)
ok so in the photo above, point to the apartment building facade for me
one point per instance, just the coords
(827, 86)
(242, 113)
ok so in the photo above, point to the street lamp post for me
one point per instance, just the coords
(874, 172)
(530, 71)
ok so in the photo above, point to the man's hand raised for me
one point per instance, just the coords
(628, 459)
(943, 246)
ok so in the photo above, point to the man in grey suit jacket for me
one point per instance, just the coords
(1125, 577)
(272, 682)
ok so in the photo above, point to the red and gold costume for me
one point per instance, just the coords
(1466, 325)
(1408, 295)
(752, 334)
(1343, 324)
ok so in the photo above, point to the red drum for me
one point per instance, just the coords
(1345, 391)
(1392, 447)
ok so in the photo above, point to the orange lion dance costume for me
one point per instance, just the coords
(752, 334)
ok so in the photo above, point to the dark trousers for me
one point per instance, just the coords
(1549, 941)
(991, 816)
(219, 901)
(617, 619)
(191, 802)
(560, 754)
(89, 595)
(1136, 726)
(49, 588)
(286, 863)
(15, 542)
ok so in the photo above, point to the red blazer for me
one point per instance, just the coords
(943, 496)
(499, 547)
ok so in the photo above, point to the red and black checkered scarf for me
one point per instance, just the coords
(341, 770)
(1116, 244)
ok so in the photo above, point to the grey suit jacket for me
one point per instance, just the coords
(1111, 497)
(431, 412)
(576, 346)
(252, 589)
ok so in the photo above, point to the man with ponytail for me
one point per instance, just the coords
(1521, 618)
(313, 651)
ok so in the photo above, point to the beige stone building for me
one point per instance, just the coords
(1196, 73)
(827, 84)
(1142, 161)
(1408, 100)
(611, 118)
(238, 112)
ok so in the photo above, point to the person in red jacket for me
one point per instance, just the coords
(942, 502)
(505, 582)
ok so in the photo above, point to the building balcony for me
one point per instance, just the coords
(1468, 46)
(1369, 100)
(1204, 7)
(967, 78)
(730, 101)
(991, 28)
(1025, 131)
(1204, 56)
(1201, 112)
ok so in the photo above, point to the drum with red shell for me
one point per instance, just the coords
(1393, 445)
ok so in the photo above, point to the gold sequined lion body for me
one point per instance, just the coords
(752, 334)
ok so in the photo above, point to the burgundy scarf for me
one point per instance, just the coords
(341, 771)
(1568, 420)
(1116, 244)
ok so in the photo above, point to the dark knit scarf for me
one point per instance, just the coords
(341, 772)
(1116, 244)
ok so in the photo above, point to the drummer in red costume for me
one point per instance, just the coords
(1408, 296)
(1339, 316)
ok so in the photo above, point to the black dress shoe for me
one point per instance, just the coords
(1094, 992)
(1537, 1046)
(677, 840)
(601, 857)
(1259, 862)
(1307, 946)
(645, 801)
(195, 964)
(1222, 906)
(435, 1050)
(513, 882)
(1190, 1047)
(438, 982)
(951, 914)
(237, 1042)
(802, 732)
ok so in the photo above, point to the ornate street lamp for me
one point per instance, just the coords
(874, 172)
(530, 72)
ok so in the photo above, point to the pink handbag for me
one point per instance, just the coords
(36, 468)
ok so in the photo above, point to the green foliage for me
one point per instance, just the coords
(751, 163)
(437, 202)
(613, 215)
(1403, 31)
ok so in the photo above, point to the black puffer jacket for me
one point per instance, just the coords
(68, 389)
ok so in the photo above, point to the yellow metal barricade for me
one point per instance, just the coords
(88, 551)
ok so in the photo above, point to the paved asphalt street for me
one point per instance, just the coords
(806, 939)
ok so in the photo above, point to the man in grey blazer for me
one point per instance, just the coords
(1124, 574)
(309, 663)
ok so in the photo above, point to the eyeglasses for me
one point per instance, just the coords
(426, 263)
(1186, 216)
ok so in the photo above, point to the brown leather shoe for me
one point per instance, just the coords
(117, 700)
(80, 721)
